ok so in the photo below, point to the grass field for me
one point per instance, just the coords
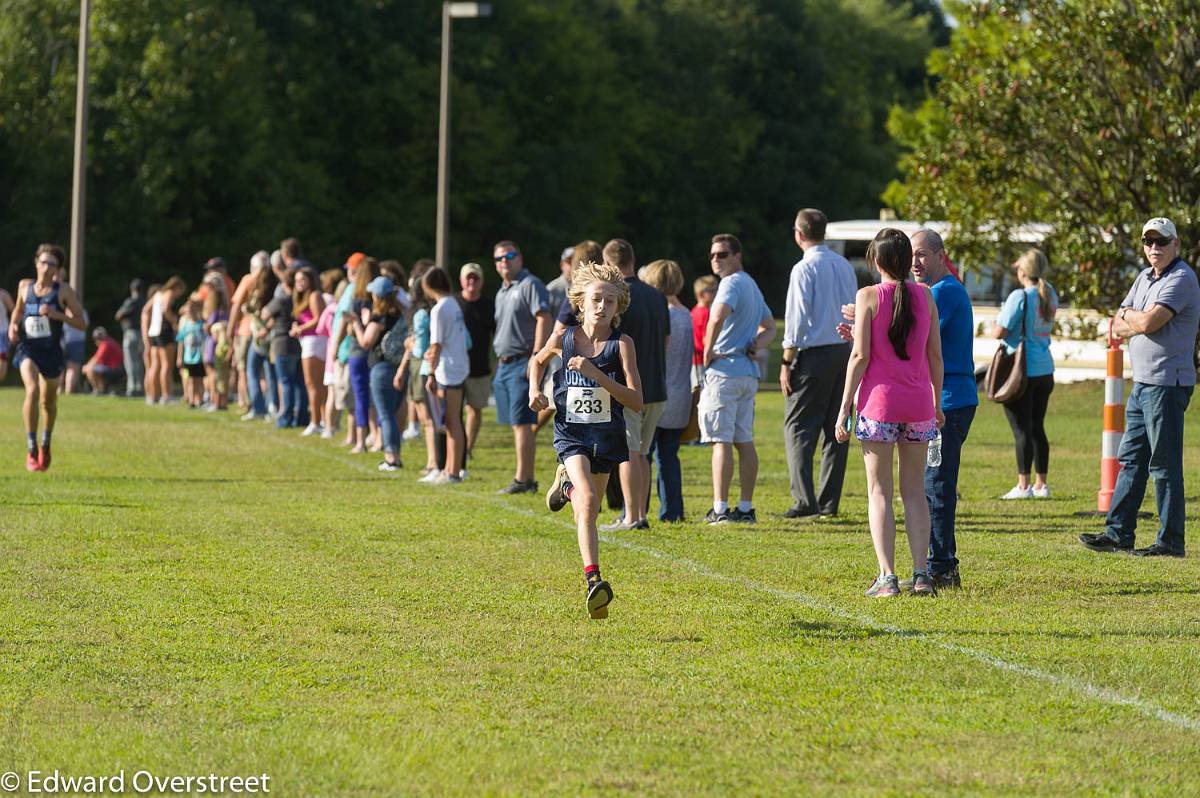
(187, 594)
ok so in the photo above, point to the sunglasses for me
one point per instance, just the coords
(505, 256)
(53, 264)
(722, 255)
(1151, 241)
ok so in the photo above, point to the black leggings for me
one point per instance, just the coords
(1027, 417)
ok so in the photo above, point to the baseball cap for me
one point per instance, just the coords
(1161, 225)
(99, 332)
(355, 259)
(381, 286)
(470, 268)
(567, 254)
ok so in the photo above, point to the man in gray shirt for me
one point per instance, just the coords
(1159, 317)
(523, 320)
(814, 366)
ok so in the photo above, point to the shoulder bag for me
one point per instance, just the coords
(1006, 376)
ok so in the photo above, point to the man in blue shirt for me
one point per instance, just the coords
(813, 372)
(740, 324)
(1159, 318)
(960, 398)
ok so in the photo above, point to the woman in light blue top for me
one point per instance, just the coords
(1028, 314)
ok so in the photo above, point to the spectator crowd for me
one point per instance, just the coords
(378, 356)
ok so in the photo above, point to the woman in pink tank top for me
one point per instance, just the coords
(896, 370)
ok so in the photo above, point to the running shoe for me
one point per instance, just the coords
(31, 462)
(884, 587)
(738, 517)
(556, 497)
(389, 467)
(1041, 493)
(922, 585)
(411, 432)
(599, 596)
(249, 416)
(713, 517)
(44, 458)
(430, 477)
(1018, 493)
(327, 434)
(310, 430)
(446, 478)
(516, 486)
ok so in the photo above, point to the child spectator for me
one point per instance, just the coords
(189, 357)
(705, 289)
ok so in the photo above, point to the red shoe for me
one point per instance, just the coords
(44, 459)
(31, 462)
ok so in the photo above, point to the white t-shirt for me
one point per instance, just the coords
(448, 328)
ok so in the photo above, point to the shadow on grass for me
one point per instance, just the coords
(833, 631)
(75, 503)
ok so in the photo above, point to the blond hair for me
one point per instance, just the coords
(587, 273)
(1033, 262)
(665, 275)
(706, 283)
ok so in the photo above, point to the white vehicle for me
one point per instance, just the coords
(851, 238)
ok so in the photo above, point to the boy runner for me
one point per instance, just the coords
(36, 327)
(598, 378)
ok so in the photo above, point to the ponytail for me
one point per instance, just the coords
(1045, 304)
(902, 319)
(891, 253)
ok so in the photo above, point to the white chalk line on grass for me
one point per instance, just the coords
(1103, 695)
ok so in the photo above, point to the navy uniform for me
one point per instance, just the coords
(39, 337)
(587, 419)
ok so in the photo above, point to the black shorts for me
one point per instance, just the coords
(602, 457)
(165, 338)
(48, 358)
(194, 370)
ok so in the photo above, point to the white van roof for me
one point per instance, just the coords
(866, 229)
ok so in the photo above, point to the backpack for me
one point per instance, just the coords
(392, 344)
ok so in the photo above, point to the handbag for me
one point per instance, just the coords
(1006, 377)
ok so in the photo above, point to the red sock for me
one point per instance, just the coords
(591, 573)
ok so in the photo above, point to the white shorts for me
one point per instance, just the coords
(640, 426)
(314, 346)
(727, 408)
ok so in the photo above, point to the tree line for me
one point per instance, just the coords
(219, 127)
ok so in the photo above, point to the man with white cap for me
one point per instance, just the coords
(1159, 318)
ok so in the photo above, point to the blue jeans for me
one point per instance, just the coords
(272, 386)
(941, 490)
(670, 477)
(1151, 447)
(360, 383)
(386, 400)
(292, 396)
(255, 366)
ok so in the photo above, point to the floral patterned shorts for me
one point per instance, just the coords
(868, 429)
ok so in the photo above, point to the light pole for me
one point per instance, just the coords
(79, 182)
(449, 11)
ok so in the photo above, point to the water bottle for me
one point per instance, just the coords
(933, 456)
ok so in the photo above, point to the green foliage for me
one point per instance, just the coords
(222, 126)
(1083, 115)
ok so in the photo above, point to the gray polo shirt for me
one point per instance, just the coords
(1164, 357)
(517, 305)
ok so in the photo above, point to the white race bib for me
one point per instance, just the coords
(37, 327)
(588, 406)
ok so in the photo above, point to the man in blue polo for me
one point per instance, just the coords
(960, 398)
(523, 322)
(1159, 318)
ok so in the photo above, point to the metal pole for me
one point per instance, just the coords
(79, 183)
(443, 187)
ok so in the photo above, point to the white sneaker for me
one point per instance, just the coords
(462, 475)
(445, 478)
(326, 433)
(411, 432)
(385, 466)
(1018, 493)
(311, 429)
(250, 416)
(431, 477)
(1041, 493)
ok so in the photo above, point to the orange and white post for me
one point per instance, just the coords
(1114, 422)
